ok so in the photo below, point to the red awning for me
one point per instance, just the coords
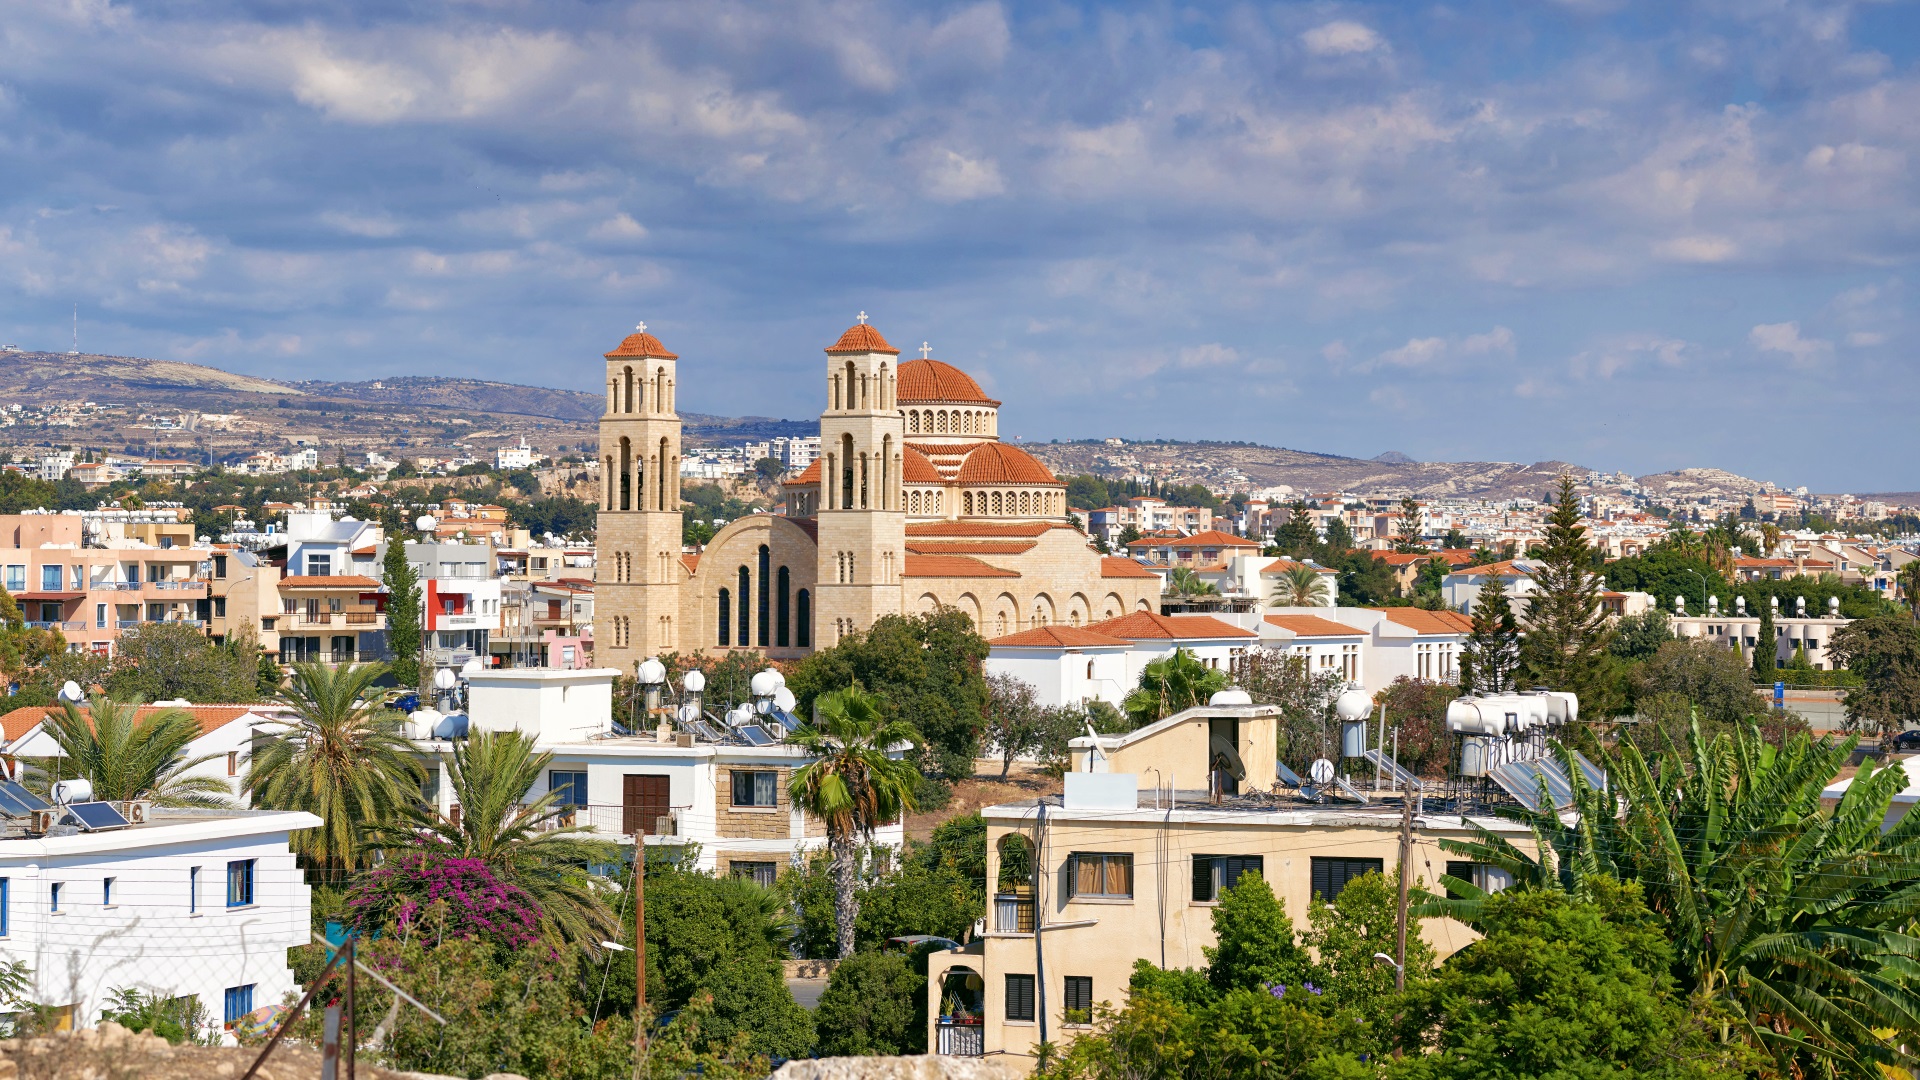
(60, 596)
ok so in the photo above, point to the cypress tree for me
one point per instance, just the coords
(1567, 633)
(1765, 649)
(403, 614)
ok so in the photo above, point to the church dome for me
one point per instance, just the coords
(998, 463)
(861, 338)
(934, 380)
(640, 343)
(917, 469)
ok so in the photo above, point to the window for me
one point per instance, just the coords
(240, 884)
(760, 873)
(1332, 875)
(319, 565)
(220, 566)
(6, 904)
(1020, 997)
(1100, 875)
(1079, 999)
(755, 788)
(220, 607)
(233, 763)
(193, 890)
(1488, 879)
(16, 578)
(239, 1003)
(569, 788)
(106, 892)
(53, 897)
(1211, 873)
(50, 578)
(99, 616)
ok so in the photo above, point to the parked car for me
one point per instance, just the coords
(1907, 742)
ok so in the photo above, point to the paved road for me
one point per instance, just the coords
(807, 991)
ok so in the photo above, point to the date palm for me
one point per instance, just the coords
(523, 843)
(1300, 586)
(341, 758)
(1769, 538)
(1171, 684)
(853, 787)
(1182, 581)
(1794, 922)
(125, 755)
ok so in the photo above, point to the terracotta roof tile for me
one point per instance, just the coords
(998, 463)
(642, 344)
(1150, 626)
(970, 547)
(809, 475)
(916, 469)
(861, 338)
(1113, 566)
(1422, 621)
(1057, 637)
(332, 581)
(211, 718)
(1281, 566)
(1314, 626)
(953, 566)
(690, 560)
(984, 528)
(937, 381)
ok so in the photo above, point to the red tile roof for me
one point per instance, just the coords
(1112, 566)
(1209, 538)
(1504, 568)
(1281, 566)
(916, 468)
(1149, 626)
(642, 344)
(1748, 560)
(1314, 626)
(1403, 558)
(936, 381)
(211, 718)
(809, 475)
(998, 463)
(1422, 621)
(690, 561)
(984, 528)
(330, 581)
(1069, 637)
(970, 547)
(954, 566)
(861, 338)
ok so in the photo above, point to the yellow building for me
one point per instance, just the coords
(914, 504)
(1131, 859)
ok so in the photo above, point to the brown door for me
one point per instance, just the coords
(643, 801)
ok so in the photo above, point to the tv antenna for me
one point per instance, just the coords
(76, 331)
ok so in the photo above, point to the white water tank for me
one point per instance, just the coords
(421, 723)
(1476, 716)
(1353, 704)
(1230, 696)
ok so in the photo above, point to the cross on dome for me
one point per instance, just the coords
(863, 318)
(925, 350)
(640, 327)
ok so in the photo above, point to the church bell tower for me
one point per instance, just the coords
(862, 519)
(637, 561)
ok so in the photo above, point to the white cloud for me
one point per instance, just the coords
(1497, 340)
(1628, 351)
(1211, 355)
(619, 227)
(377, 227)
(1866, 338)
(1424, 352)
(1341, 37)
(1697, 249)
(1417, 352)
(1335, 351)
(1785, 338)
(955, 178)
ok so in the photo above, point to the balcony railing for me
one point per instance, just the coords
(364, 618)
(44, 624)
(960, 1038)
(1013, 914)
(186, 586)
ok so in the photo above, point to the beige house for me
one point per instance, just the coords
(1131, 859)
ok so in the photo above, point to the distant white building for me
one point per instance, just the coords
(56, 465)
(308, 458)
(515, 457)
(201, 904)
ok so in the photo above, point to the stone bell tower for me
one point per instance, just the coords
(637, 557)
(862, 520)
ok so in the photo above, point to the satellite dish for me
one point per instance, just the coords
(694, 681)
(472, 665)
(444, 679)
(71, 691)
(783, 699)
(1353, 704)
(424, 523)
(1321, 771)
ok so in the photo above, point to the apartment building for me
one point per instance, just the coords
(460, 591)
(226, 735)
(1128, 863)
(322, 602)
(1146, 514)
(1207, 549)
(92, 589)
(1795, 627)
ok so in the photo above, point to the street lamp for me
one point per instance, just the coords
(1703, 585)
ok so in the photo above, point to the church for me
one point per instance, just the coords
(914, 504)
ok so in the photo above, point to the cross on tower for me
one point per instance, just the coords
(863, 318)
(925, 350)
(641, 328)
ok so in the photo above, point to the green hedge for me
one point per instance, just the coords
(1811, 678)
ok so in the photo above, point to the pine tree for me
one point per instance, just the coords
(1766, 649)
(1567, 633)
(403, 613)
(1408, 540)
(1492, 649)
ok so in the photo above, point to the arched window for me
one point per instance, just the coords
(782, 633)
(659, 389)
(881, 380)
(803, 619)
(607, 481)
(626, 375)
(726, 618)
(846, 471)
(884, 496)
(763, 637)
(626, 474)
(741, 632)
(999, 503)
(663, 469)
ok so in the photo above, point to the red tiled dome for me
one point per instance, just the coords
(861, 338)
(641, 343)
(933, 380)
(918, 470)
(998, 463)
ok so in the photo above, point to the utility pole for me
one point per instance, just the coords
(639, 951)
(353, 1025)
(1406, 871)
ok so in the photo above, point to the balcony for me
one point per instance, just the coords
(1013, 913)
(177, 586)
(67, 625)
(960, 1038)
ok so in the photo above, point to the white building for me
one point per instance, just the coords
(226, 735)
(515, 457)
(56, 465)
(191, 903)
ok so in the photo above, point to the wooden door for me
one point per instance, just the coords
(644, 799)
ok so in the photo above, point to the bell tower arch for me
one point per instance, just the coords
(862, 515)
(637, 575)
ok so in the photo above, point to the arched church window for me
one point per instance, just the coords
(763, 638)
(782, 628)
(803, 619)
(741, 633)
(726, 619)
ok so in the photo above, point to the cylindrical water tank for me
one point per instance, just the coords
(1475, 752)
(422, 722)
(73, 791)
(1475, 716)
(652, 672)
(1352, 704)
(1230, 696)
(1353, 738)
(764, 683)
(694, 681)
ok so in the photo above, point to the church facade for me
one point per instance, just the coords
(914, 504)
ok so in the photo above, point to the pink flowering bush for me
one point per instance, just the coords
(432, 896)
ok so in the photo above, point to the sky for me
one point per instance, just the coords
(1637, 236)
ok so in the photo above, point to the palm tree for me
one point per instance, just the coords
(1184, 582)
(1769, 538)
(1300, 585)
(127, 756)
(1909, 580)
(340, 758)
(1169, 685)
(1792, 921)
(523, 843)
(852, 786)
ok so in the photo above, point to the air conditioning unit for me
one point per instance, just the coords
(45, 820)
(136, 811)
(668, 824)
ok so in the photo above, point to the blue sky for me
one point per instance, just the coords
(1632, 235)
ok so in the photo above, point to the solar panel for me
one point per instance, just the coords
(13, 790)
(785, 717)
(95, 816)
(1288, 776)
(13, 807)
(707, 731)
(1400, 776)
(755, 735)
(1349, 790)
(1596, 776)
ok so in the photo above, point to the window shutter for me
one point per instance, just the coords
(1323, 878)
(1020, 997)
(1203, 886)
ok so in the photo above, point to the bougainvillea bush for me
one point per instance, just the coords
(424, 894)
